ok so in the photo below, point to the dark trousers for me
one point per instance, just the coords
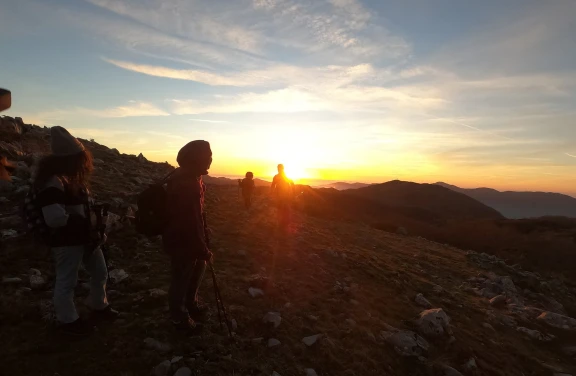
(247, 201)
(187, 274)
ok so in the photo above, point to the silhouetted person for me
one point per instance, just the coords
(185, 237)
(6, 168)
(247, 186)
(283, 191)
(63, 195)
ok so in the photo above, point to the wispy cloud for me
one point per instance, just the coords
(210, 121)
(133, 109)
(570, 155)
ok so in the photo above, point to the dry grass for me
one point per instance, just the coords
(384, 271)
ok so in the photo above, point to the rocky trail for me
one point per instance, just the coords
(328, 298)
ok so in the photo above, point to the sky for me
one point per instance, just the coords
(473, 93)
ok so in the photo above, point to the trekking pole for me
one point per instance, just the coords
(219, 302)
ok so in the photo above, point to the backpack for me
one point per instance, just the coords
(152, 216)
(33, 218)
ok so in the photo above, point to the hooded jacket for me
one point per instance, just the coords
(185, 231)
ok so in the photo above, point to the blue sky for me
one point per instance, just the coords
(472, 93)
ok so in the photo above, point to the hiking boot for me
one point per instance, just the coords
(188, 327)
(198, 312)
(106, 314)
(78, 328)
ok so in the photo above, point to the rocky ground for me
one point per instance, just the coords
(329, 298)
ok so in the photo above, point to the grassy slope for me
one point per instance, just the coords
(388, 270)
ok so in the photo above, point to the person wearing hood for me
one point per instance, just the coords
(247, 186)
(185, 237)
(61, 183)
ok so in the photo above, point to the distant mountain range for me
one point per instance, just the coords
(343, 186)
(441, 201)
(517, 205)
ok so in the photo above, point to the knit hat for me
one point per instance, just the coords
(63, 143)
(192, 152)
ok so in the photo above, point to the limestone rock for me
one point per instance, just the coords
(117, 275)
(157, 293)
(273, 318)
(154, 344)
(498, 301)
(11, 280)
(558, 321)
(162, 369)
(534, 334)
(272, 342)
(434, 323)
(310, 340)
(405, 342)
(183, 371)
(254, 292)
(37, 282)
(310, 372)
(422, 301)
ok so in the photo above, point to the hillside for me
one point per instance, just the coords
(335, 277)
(343, 186)
(521, 204)
(440, 201)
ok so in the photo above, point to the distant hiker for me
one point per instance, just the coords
(61, 183)
(186, 234)
(283, 191)
(247, 186)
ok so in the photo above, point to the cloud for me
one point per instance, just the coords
(570, 155)
(133, 109)
(210, 121)
(280, 74)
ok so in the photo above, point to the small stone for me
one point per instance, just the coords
(309, 341)
(154, 344)
(310, 372)
(257, 341)
(350, 322)
(422, 301)
(354, 302)
(272, 342)
(534, 334)
(274, 373)
(288, 305)
(162, 369)
(11, 280)
(8, 234)
(176, 359)
(33, 271)
(488, 326)
(272, 317)
(498, 301)
(449, 371)
(183, 371)
(157, 293)
(569, 350)
(437, 289)
(242, 252)
(254, 292)
(37, 282)
(117, 275)
(470, 365)
(234, 324)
